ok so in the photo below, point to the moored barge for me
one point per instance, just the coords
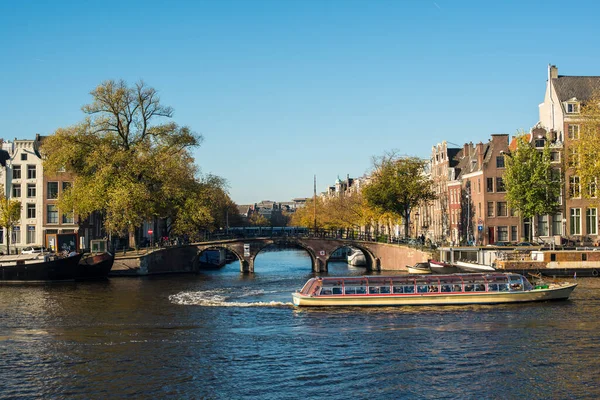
(404, 290)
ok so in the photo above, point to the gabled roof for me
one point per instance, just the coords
(580, 87)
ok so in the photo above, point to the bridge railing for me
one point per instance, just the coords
(339, 234)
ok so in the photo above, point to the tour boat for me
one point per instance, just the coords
(440, 267)
(32, 268)
(419, 268)
(404, 290)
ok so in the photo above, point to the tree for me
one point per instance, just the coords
(531, 187)
(585, 149)
(398, 184)
(257, 219)
(10, 214)
(126, 164)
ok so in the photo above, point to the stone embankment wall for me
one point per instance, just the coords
(164, 261)
(396, 258)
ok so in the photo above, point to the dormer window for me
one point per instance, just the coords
(573, 108)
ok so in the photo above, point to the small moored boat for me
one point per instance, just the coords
(440, 267)
(471, 266)
(401, 290)
(356, 258)
(419, 268)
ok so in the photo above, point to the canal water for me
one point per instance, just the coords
(223, 335)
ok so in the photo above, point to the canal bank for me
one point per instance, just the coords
(154, 262)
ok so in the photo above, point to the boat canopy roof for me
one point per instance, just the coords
(418, 279)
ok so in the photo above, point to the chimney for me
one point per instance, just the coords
(552, 72)
(466, 152)
(480, 154)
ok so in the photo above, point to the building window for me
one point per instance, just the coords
(554, 156)
(502, 209)
(30, 210)
(31, 190)
(592, 188)
(479, 185)
(572, 108)
(591, 221)
(575, 221)
(16, 235)
(52, 214)
(31, 172)
(23, 156)
(30, 234)
(539, 142)
(16, 172)
(68, 218)
(1, 235)
(490, 209)
(542, 225)
(557, 224)
(500, 185)
(490, 185)
(16, 190)
(503, 233)
(66, 186)
(513, 233)
(573, 132)
(52, 190)
(574, 187)
(500, 162)
(573, 157)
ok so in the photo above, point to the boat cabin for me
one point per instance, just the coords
(416, 285)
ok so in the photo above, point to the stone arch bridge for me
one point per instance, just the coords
(378, 255)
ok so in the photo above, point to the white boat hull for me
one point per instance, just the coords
(473, 267)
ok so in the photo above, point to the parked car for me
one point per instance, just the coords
(528, 244)
(499, 244)
(34, 250)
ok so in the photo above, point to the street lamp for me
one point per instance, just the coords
(416, 223)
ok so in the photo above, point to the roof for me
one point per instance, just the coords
(580, 87)
(513, 143)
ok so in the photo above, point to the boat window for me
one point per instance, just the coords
(516, 286)
(409, 289)
(446, 288)
(336, 290)
(326, 291)
(422, 288)
(350, 289)
(493, 287)
(433, 288)
(469, 286)
(398, 289)
(384, 289)
(373, 289)
(479, 287)
(457, 287)
(361, 290)
(503, 287)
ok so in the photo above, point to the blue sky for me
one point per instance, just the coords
(283, 90)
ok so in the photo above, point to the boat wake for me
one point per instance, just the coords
(219, 298)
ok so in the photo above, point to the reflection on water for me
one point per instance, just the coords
(223, 335)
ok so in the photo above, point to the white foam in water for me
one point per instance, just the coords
(216, 298)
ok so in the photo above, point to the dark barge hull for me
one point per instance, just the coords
(59, 269)
(95, 267)
(556, 272)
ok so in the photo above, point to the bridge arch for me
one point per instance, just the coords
(372, 262)
(285, 242)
